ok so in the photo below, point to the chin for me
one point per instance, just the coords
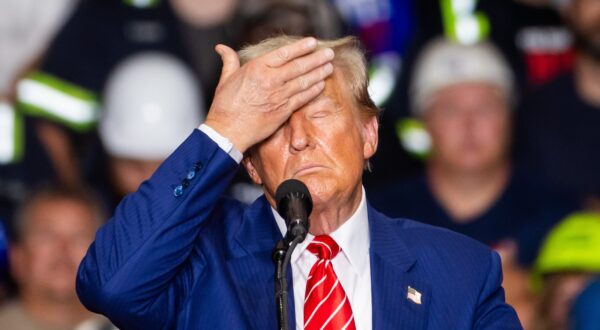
(312, 180)
(321, 191)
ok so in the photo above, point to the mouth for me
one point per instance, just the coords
(307, 169)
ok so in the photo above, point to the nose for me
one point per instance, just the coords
(64, 245)
(299, 131)
(470, 118)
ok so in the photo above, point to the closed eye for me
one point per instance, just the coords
(320, 114)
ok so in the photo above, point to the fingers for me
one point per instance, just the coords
(305, 64)
(306, 81)
(299, 100)
(231, 61)
(287, 53)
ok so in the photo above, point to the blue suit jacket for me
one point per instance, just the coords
(178, 255)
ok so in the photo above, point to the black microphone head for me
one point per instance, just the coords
(292, 188)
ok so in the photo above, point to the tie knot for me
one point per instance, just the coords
(324, 247)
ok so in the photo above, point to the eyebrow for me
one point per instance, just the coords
(324, 98)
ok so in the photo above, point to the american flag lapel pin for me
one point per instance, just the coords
(413, 295)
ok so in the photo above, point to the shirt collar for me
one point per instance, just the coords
(352, 236)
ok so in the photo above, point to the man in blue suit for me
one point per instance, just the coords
(177, 254)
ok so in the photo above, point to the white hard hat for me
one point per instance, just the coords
(444, 63)
(151, 104)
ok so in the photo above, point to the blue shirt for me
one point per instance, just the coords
(557, 137)
(524, 212)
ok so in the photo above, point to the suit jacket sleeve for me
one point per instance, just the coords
(138, 270)
(492, 312)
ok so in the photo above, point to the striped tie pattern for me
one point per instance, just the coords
(326, 305)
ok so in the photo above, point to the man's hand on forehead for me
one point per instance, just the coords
(252, 101)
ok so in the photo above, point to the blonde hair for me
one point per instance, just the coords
(349, 57)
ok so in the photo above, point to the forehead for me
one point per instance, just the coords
(469, 91)
(59, 212)
(336, 93)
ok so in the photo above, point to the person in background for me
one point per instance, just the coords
(534, 42)
(102, 33)
(62, 93)
(50, 234)
(557, 133)
(151, 102)
(26, 29)
(28, 156)
(464, 94)
(567, 264)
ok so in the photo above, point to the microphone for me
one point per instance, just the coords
(294, 204)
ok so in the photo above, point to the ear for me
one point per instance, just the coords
(251, 169)
(370, 131)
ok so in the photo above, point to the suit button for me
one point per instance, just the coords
(191, 175)
(178, 191)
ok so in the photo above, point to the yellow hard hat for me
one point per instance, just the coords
(572, 246)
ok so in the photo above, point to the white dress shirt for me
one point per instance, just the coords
(222, 142)
(352, 265)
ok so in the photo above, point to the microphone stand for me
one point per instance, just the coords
(281, 256)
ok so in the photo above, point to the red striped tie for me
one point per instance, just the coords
(326, 305)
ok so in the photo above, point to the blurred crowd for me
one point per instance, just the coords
(490, 127)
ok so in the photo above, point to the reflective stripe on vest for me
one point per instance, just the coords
(142, 4)
(462, 23)
(383, 75)
(44, 95)
(414, 137)
(11, 134)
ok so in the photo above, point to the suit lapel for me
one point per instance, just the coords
(391, 264)
(253, 269)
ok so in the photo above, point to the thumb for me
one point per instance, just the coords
(231, 61)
